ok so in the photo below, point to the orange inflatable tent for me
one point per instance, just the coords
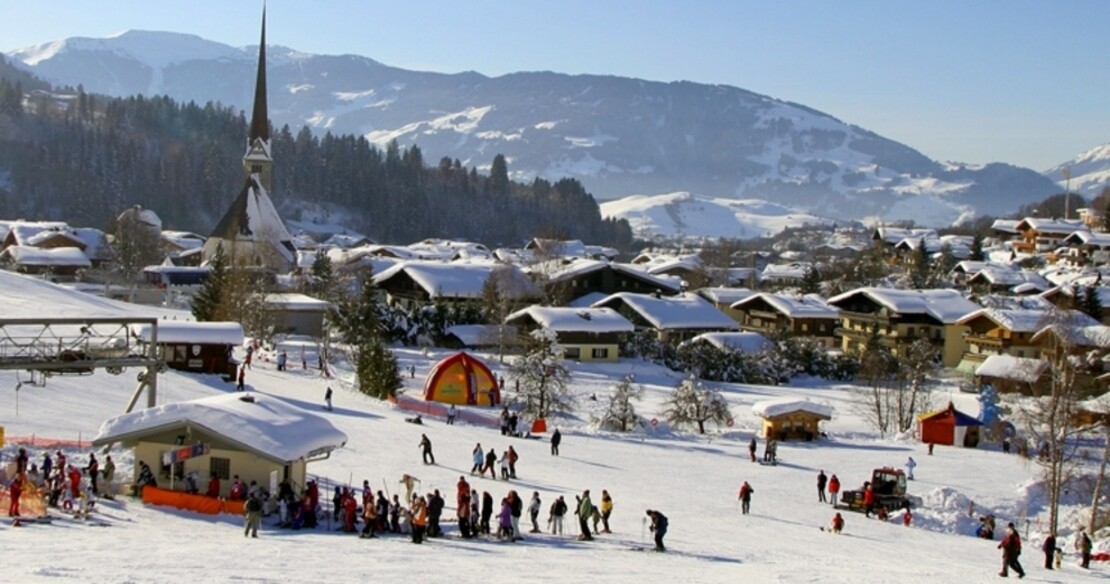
(461, 379)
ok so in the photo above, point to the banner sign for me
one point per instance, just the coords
(184, 453)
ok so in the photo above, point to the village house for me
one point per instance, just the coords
(420, 283)
(994, 331)
(296, 314)
(789, 315)
(586, 334)
(1009, 374)
(723, 298)
(672, 319)
(901, 317)
(564, 281)
(791, 419)
(1044, 236)
(199, 347)
(1003, 280)
(1086, 248)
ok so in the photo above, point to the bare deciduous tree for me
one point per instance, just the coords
(693, 404)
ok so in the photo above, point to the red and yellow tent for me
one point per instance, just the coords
(461, 379)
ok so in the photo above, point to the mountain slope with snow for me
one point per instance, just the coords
(1090, 172)
(617, 135)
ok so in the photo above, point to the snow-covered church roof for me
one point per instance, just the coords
(263, 424)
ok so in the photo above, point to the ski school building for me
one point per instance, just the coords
(258, 437)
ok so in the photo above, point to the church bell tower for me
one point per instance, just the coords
(258, 160)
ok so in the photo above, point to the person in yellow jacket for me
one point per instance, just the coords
(370, 517)
(606, 510)
(419, 519)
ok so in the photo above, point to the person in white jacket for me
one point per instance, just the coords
(534, 511)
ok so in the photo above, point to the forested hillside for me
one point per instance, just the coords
(82, 158)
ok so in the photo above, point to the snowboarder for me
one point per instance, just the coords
(910, 465)
(751, 448)
(1049, 549)
(745, 497)
(426, 448)
(1011, 549)
(821, 481)
(451, 413)
(658, 527)
(327, 399)
(556, 438)
(834, 489)
(534, 511)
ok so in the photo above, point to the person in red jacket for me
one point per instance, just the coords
(15, 490)
(837, 523)
(74, 482)
(238, 490)
(834, 489)
(746, 491)
(868, 499)
(349, 507)
(214, 486)
(1011, 549)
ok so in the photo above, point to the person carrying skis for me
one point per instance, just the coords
(745, 497)
(585, 510)
(426, 449)
(821, 481)
(1011, 549)
(659, 528)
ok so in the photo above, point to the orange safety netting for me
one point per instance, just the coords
(198, 503)
(32, 502)
(40, 442)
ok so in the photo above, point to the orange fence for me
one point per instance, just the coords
(198, 503)
(32, 502)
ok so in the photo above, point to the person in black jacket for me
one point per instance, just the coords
(487, 511)
(822, 480)
(556, 438)
(1049, 549)
(435, 510)
(516, 509)
(658, 527)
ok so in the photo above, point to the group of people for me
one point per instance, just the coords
(484, 461)
(63, 484)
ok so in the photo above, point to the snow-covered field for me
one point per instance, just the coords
(691, 479)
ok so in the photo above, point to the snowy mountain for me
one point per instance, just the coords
(684, 215)
(617, 135)
(1090, 171)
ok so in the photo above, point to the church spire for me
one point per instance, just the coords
(257, 160)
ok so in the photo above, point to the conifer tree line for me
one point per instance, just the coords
(84, 158)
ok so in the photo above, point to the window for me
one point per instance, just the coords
(221, 467)
(600, 353)
(178, 354)
(572, 352)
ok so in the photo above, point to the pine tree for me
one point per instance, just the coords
(1091, 304)
(811, 281)
(542, 375)
(977, 254)
(499, 176)
(691, 403)
(358, 323)
(207, 302)
(919, 275)
(377, 371)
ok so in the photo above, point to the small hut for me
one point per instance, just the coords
(199, 347)
(949, 427)
(461, 379)
(791, 419)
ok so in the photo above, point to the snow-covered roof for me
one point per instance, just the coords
(1013, 368)
(779, 407)
(1087, 238)
(189, 332)
(807, 306)
(477, 335)
(461, 279)
(295, 301)
(562, 319)
(791, 271)
(946, 306)
(744, 341)
(1005, 226)
(1095, 336)
(689, 311)
(726, 296)
(1015, 320)
(1055, 226)
(893, 235)
(560, 270)
(266, 425)
(183, 239)
(24, 255)
(997, 276)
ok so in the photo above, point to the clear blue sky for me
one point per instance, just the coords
(1025, 82)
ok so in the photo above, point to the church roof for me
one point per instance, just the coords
(253, 217)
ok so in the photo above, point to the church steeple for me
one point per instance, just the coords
(257, 160)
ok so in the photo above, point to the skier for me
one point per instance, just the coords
(1011, 549)
(426, 447)
(910, 465)
(558, 510)
(834, 489)
(821, 481)
(1049, 549)
(512, 462)
(491, 461)
(93, 470)
(327, 399)
(505, 520)
(534, 511)
(451, 413)
(658, 527)
(252, 513)
(516, 509)
(479, 460)
(47, 463)
(556, 438)
(752, 448)
(435, 511)
(606, 510)
(369, 518)
(349, 509)
(585, 510)
(487, 511)
(462, 512)
(745, 497)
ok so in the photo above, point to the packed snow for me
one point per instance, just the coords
(692, 479)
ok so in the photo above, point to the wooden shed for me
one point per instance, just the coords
(949, 427)
(791, 419)
(200, 347)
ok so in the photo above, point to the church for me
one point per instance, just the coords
(252, 233)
